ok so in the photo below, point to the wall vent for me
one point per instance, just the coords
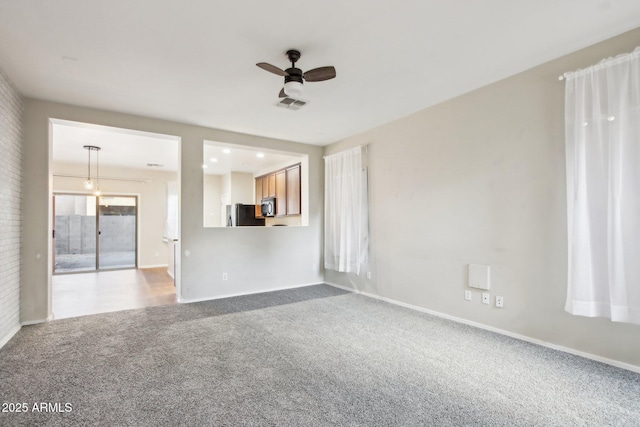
(291, 104)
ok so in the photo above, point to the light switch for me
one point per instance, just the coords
(479, 276)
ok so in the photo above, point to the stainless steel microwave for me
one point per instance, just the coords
(269, 206)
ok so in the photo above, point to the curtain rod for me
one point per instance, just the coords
(603, 63)
(365, 146)
(144, 181)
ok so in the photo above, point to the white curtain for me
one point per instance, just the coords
(602, 130)
(171, 226)
(346, 211)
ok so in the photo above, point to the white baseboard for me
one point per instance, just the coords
(606, 360)
(152, 266)
(10, 335)
(187, 301)
(36, 322)
(170, 273)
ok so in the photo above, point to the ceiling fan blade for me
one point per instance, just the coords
(320, 74)
(282, 94)
(272, 69)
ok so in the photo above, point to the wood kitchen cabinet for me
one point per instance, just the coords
(284, 185)
(259, 197)
(265, 186)
(281, 193)
(293, 190)
(271, 185)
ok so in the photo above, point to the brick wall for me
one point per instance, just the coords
(10, 211)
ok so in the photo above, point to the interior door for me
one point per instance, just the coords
(118, 231)
(74, 233)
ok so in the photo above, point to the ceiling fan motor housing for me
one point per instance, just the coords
(295, 75)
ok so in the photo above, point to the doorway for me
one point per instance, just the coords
(94, 233)
(100, 269)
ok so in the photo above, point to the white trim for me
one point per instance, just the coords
(187, 301)
(154, 266)
(10, 335)
(601, 359)
(37, 322)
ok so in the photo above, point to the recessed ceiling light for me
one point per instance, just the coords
(226, 150)
(260, 155)
(204, 166)
(213, 160)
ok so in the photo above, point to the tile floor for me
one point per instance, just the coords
(82, 294)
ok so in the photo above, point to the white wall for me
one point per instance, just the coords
(212, 205)
(152, 202)
(10, 209)
(226, 185)
(481, 179)
(242, 187)
(256, 259)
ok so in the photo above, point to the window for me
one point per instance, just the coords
(346, 211)
(602, 130)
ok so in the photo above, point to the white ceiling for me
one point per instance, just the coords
(118, 147)
(221, 158)
(124, 148)
(194, 62)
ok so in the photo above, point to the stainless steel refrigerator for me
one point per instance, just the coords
(243, 215)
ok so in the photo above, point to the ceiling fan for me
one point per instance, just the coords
(294, 78)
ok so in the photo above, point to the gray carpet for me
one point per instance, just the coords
(312, 356)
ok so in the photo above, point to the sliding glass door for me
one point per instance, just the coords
(117, 234)
(94, 233)
(74, 234)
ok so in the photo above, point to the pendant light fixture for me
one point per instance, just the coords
(98, 192)
(88, 183)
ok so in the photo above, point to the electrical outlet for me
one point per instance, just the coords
(486, 297)
(499, 302)
(224, 276)
(467, 295)
(368, 275)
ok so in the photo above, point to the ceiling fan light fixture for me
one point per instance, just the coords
(293, 89)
